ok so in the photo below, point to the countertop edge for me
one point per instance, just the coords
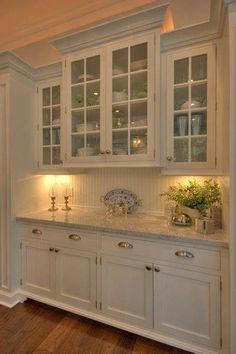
(158, 235)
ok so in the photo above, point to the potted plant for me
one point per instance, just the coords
(195, 196)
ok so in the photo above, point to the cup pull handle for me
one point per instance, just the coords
(37, 232)
(74, 237)
(125, 245)
(184, 254)
(148, 268)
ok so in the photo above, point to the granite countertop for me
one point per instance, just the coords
(137, 224)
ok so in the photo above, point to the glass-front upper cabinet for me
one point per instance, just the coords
(85, 99)
(130, 109)
(49, 124)
(191, 108)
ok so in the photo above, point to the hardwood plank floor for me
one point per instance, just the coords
(36, 328)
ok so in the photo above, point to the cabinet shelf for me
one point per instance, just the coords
(88, 108)
(85, 82)
(186, 111)
(190, 82)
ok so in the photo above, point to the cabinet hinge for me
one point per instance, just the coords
(221, 285)
(216, 106)
(21, 282)
(221, 342)
(21, 244)
(215, 161)
(65, 156)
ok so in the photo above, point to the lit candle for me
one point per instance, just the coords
(68, 190)
(52, 191)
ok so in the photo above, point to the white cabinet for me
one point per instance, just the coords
(85, 97)
(130, 105)
(187, 304)
(65, 274)
(49, 124)
(38, 273)
(166, 289)
(76, 278)
(127, 290)
(190, 108)
(110, 102)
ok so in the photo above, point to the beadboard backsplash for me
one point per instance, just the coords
(31, 193)
(147, 183)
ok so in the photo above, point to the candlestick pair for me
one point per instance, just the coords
(53, 203)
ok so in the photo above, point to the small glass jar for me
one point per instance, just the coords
(205, 225)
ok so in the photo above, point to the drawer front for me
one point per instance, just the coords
(72, 238)
(158, 251)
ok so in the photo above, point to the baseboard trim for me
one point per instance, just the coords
(130, 328)
(10, 299)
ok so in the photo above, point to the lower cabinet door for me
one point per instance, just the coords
(76, 278)
(38, 269)
(127, 290)
(187, 305)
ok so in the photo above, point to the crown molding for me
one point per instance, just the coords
(50, 71)
(198, 33)
(8, 60)
(143, 20)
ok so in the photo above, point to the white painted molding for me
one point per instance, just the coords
(10, 299)
(51, 71)
(197, 33)
(227, 2)
(8, 60)
(138, 22)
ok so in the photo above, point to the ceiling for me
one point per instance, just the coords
(26, 25)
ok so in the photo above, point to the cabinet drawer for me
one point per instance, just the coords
(176, 253)
(72, 238)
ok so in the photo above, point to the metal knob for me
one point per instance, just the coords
(125, 245)
(74, 237)
(51, 249)
(157, 269)
(101, 152)
(184, 254)
(169, 158)
(148, 268)
(57, 250)
(108, 152)
(37, 232)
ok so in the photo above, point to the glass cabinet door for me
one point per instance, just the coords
(130, 101)
(50, 124)
(191, 110)
(85, 107)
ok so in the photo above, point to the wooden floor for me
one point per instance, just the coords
(37, 328)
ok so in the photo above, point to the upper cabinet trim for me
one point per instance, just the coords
(129, 25)
(198, 33)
